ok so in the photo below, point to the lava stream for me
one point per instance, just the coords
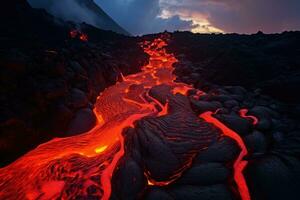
(243, 113)
(61, 162)
(239, 164)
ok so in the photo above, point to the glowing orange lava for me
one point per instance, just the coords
(50, 170)
(243, 113)
(78, 34)
(239, 164)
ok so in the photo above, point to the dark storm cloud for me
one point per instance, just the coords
(142, 16)
(136, 16)
(243, 16)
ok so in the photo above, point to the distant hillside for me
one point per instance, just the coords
(80, 11)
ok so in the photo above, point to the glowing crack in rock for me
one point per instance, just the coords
(78, 34)
(243, 113)
(239, 164)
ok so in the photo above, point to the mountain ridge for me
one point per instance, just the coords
(80, 11)
(109, 24)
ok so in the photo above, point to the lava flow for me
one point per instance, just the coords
(64, 168)
(78, 34)
(239, 164)
(243, 113)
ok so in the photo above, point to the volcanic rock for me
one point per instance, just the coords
(264, 116)
(157, 193)
(76, 67)
(271, 178)
(168, 142)
(37, 77)
(129, 179)
(256, 142)
(203, 106)
(160, 93)
(240, 125)
(238, 60)
(82, 122)
(230, 103)
(192, 192)
(237, 90)
(77, 99)
(55, 89)
(63, 116)
(223, 151)
(197, 175)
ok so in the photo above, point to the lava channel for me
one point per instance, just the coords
(65, 167)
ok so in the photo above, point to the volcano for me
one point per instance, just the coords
(80, 11)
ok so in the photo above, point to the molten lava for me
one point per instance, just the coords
(65, 167)
(79, 35)
(243, 113)
(239, 164)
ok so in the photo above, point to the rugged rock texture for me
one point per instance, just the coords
(48, 90)
(269, 66)
(270, 63)
(48, 78)
(94, 14)
(273, 151)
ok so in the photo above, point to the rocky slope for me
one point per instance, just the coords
(80, 11)
(49, 81)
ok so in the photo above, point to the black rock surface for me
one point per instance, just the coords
(269, 62)
(48, 78)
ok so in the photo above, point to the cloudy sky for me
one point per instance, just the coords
(242, 16)
(150, 16)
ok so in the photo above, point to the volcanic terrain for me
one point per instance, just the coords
(91, 114)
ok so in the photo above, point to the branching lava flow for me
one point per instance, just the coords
(62, 167)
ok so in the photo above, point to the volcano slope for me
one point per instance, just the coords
(157, 138)
(50, 78)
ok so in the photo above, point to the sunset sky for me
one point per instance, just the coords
(150, 16)
(242, 16)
